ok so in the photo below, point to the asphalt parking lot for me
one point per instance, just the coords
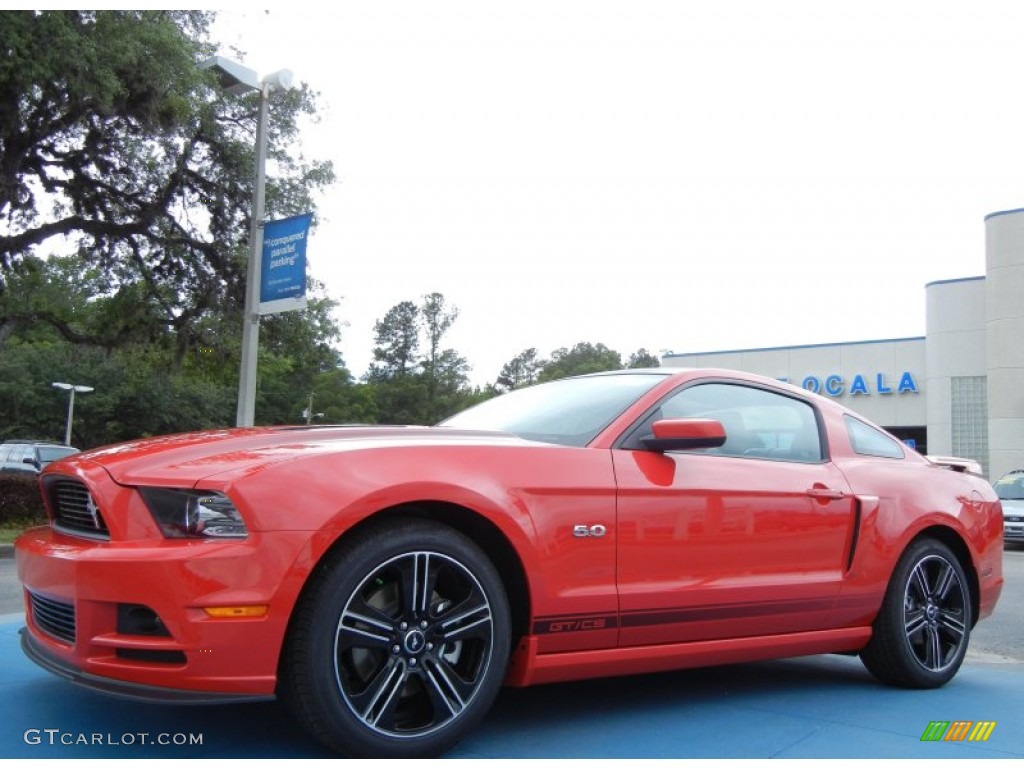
(814, 707)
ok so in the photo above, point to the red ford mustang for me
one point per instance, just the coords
(387, 581)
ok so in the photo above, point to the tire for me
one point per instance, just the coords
(922, 630)
(399, 644)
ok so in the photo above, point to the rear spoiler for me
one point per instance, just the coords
(956, 464)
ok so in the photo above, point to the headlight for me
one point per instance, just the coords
(186, 514)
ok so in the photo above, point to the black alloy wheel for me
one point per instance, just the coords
(923, 628)
(401, 643)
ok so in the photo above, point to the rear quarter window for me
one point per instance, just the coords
(869, 441)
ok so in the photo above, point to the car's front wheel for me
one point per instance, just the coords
(922, 630)
(400, 642)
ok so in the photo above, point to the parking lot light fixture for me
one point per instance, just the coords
(236, 79)
(72, 388)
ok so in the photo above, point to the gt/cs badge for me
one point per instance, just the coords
(589, 531)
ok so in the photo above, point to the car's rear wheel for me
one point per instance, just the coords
(400, 642)
(923, 628)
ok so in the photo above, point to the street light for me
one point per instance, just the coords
(307, 413)
(72, 388)
(236, 79)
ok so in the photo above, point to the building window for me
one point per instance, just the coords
(970, 418)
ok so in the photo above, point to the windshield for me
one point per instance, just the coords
(566, 412)
(1011, 487)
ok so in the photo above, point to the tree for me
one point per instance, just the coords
(583, 358)
(396, 339)
(643, 359)
(119, 153)
(520, 371)
(437, 319)
(112, 139)
(343, 400)
(445, 371)
(410, 388)
(398, 386)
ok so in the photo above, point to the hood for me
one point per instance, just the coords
(1012, 506)
(186, 459)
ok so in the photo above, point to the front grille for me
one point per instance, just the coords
(74, 510)
(54, 617)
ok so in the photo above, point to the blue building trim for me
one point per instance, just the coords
(954, 280)
(799, 346)
(1004, 213)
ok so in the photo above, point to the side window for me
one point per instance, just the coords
(5, 451)
(868, 441)
(758, 423)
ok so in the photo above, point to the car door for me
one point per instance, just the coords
(742, 540)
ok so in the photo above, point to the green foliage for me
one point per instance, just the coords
(20, 500)
(520, 371)
(397, 341)
(410, 388)
(115, 140)
(583, 358)
(643, 359)
(343, 401)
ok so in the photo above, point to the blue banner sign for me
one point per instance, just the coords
(283, 274)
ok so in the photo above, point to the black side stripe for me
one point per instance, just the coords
(581, 622)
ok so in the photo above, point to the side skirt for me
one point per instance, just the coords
(527, 667)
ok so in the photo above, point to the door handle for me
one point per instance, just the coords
(825, 494)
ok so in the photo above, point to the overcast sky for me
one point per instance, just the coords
(685, 176)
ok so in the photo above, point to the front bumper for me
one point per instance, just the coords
(37, 652)
(79, 591)
(1013, 528)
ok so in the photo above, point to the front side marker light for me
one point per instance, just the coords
(236, 611)
(189, 514)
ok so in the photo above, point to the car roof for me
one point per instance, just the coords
(33, 442)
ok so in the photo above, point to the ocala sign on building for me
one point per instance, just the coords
(836, 385)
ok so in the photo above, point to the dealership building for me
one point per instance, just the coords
(956, 391)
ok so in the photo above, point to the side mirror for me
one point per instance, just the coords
(684, 435)
(29, 460)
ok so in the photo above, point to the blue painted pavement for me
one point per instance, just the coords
(814, 707)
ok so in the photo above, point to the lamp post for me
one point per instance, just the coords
(236, 80)
(307, 413)
(72, 388)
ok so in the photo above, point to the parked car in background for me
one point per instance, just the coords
(30, 457)
(1010, 489)
(386, 581)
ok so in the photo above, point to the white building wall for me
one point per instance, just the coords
(954, 347)
(1004, 256)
